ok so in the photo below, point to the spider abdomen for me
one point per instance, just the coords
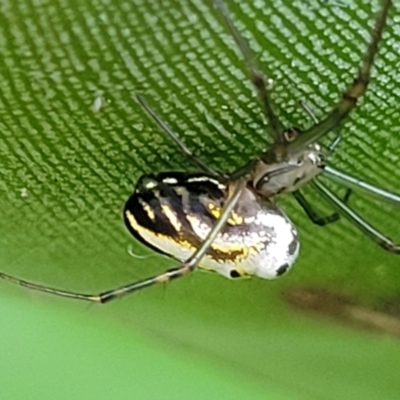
(174, 212)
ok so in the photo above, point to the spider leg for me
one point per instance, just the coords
(306, 107)
(356, 219)
(257, 78)
(311, 113)
(183, 269)
(335, 141)
(361, 186)
(352, 94)
(311, 213)
(185, 150)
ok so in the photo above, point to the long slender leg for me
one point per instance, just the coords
(338, 136)
(311, 213)
(188, 266)
(256, 76)
(352, 94)
(361, 186)
(356, 219)
(188, 153)
(335, 141)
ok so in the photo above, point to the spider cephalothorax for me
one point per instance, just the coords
(289, 174)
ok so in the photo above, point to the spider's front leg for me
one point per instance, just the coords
(349, 99)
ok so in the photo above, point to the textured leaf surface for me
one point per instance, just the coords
(73, 143)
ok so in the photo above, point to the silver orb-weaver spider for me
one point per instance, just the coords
(228, 222)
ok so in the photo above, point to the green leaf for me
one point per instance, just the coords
(73, 143)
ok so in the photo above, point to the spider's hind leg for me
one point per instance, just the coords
(365, 227)
(183, 269)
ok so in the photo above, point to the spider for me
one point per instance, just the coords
(229, 223)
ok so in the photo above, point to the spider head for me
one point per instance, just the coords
(279, 171)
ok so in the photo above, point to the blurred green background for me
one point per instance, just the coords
(73, 143)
